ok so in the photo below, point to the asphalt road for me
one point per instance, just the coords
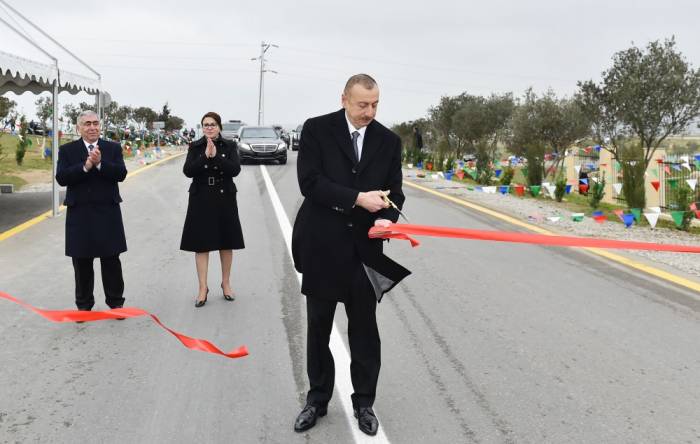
(485, 342)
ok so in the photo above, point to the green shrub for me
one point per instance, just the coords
(507, 175)
(684, 196)
(596, 193)
(560, 189)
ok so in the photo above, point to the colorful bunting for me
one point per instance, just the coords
(673, 183)
(535, 190)
(577, 217)
(503, 189)
(620, 214)
(676, 167)
(655, 209)
(554, 218)
(652, 218)
(656, 184)
(691, 183)
(568, 189)
(597, 148)
(583, 181)
(460, 174)
(583, 188)
(519, 190)
(498, 173)
(628, 219)
(678, 217)
(618, 188)
(599, 217)
(577, 168)
(637, 212)
(551, 189)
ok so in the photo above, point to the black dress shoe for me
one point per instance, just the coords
(228, 297)
(119, 318)
(308, 416)
(368, 422)
(82, 309)
(198, 303)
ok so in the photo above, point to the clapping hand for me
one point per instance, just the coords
(211, 149)
(95, 156)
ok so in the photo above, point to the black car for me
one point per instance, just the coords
(296, 136)
(261, 143)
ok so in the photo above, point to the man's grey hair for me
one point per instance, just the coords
(83, 114)
(363, 79)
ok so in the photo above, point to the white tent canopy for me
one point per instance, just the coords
(19, 75)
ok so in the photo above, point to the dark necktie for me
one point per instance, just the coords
(90, 147)
(355, 135)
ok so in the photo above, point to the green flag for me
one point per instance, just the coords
(673, 183)
(655, 172)
(535, 190)
(474, 174)
(637, 213)
(678, 217)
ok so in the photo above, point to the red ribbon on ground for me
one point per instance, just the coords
(127, 312)
(402, 231)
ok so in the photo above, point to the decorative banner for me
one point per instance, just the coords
(583, 188)
(676, 167)
(633, 162)
(440, 174)
(409, 165)
(656, 184)
(419, 165)
(503, 189)
(474, 174)
(694, 208)
(587, 150)
(697, 157)
(667, 169)
(637, 212)
(628, 219)
(687, 165)
(577, 217)
(595, 179)
(599, 217)
(554, 218)
(674, 183)
(618, 188)
(697, 164)
(490, 190)
(551, 189)
(577, 168)
(127, 312)
(620, 214)
(691, 183)
(652, 218)
(659, 161)
(678, 217)
(460, 174)
(403, 231)
(479, 188)
(498, 173)
(655, 209)
(597, 148)
(568, 189)
(435, 176)
(583, 181)
(534, 190)
(470, 188)
(519, 190)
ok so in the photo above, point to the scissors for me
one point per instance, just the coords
(385, 197)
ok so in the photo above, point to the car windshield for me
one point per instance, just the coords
(258, 133)
(231, 126)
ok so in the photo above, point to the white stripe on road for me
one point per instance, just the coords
(341, 357)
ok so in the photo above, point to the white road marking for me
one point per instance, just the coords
(343, 384)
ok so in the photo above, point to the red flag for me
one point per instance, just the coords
(519, 189)
(583, 188)
(460, 174)
(656, 184)
(667, 169)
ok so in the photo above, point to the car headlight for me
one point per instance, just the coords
(244, 146)
(282, 146)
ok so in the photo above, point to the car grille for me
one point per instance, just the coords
(261, 148)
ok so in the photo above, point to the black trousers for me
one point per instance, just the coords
(112, 281)
(363, 336)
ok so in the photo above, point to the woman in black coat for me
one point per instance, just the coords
(212, 221)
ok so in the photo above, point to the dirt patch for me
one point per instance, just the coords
(34, 176)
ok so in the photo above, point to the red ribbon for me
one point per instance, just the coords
(402, 231)
(128, 312)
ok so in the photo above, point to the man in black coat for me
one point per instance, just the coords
(347, 164)
(91, 168)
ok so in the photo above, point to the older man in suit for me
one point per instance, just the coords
(348, 163)
(91, 169)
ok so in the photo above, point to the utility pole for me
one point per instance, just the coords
(263, 49)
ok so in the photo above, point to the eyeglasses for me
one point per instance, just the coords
(91, 123)
(210, 125)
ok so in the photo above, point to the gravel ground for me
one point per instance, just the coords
(536, 212)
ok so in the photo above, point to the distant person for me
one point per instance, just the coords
(212, 221)
(417, 138)
(192, 135)
(91, 169)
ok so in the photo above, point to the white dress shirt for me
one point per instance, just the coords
(87, 147)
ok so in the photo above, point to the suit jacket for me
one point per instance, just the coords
(94, 226)
(330, 232)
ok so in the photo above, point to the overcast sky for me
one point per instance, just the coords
(196, 55)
